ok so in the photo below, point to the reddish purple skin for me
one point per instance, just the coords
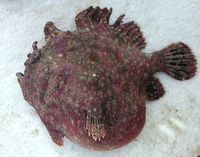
(93, 72)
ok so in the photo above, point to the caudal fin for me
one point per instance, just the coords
(177, 61)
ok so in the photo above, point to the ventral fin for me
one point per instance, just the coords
(95, 127)
(98, 19)
(155, 89)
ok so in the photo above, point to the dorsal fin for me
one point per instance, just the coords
(98, 19)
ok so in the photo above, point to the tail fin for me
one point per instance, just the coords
(177, 61)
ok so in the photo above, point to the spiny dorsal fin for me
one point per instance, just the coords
(50, 30)
(98, 19)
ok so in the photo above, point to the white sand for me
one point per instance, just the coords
(172, 126)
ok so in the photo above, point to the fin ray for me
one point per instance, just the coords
(95, 127)
(98, 19)
(177, 61)
(155, 89)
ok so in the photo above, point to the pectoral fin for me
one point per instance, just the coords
(95, 127)
(154, 89)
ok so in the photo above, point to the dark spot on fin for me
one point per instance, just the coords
(95, 16)
(98, 19)
(92, 16)
(177, 61)
(155, 89)
(95, 127)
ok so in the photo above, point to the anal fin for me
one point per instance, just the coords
(155, 89)
(95, 127)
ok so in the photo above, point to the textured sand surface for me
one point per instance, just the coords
(172, 126)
